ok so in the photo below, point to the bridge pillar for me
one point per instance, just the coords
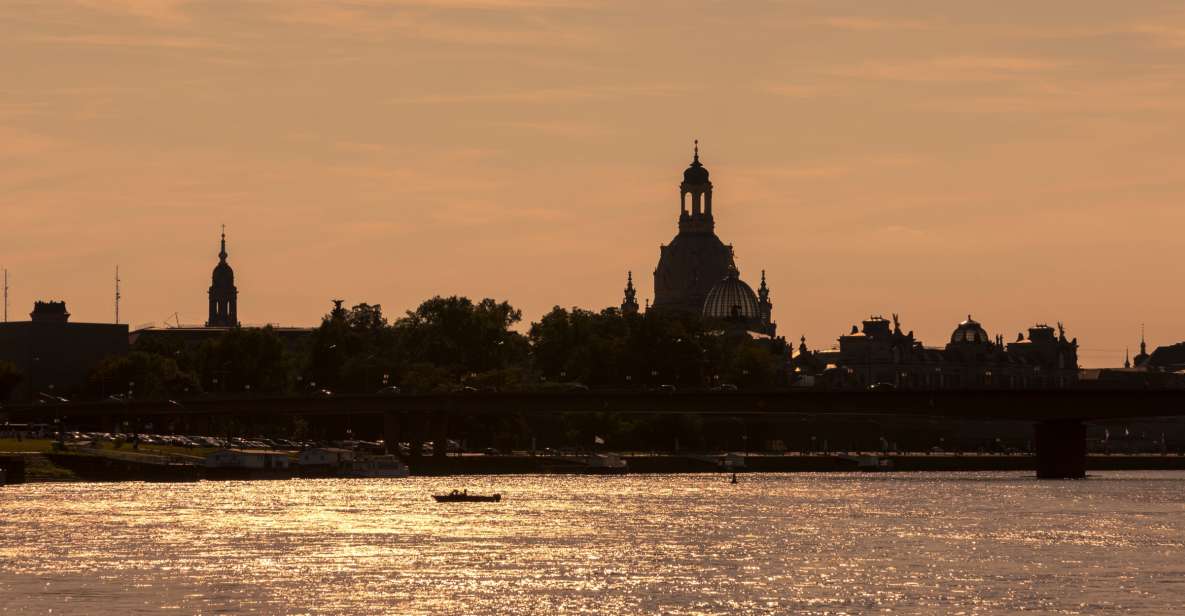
(391, 432)
(1061, 449)
(439, 435)
(416, 431)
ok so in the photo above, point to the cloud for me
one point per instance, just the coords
(950, 69)
(441, 24)
(870, 24)
(130, 40)
(793, 90)
(573, 130)
(546, 95)
(170, 12)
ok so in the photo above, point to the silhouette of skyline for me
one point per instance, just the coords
(928, 160)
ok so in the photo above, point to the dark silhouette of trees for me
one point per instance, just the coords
(245, 361)
(609, 349)
(140, 374)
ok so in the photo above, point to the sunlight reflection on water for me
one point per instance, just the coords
(679, 544)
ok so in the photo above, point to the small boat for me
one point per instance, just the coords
(458, 496)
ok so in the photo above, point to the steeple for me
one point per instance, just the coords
(224, 310)
(629, 304)
(1143, 357)
(1127, 362)
(696, 216)
(765, 308)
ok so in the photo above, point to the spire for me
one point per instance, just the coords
(1127, 362)
(222, 253)
(763, 290)
(1143, 345)
(629, 304)
(695, 157)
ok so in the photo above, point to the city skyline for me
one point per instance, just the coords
(1022, 174)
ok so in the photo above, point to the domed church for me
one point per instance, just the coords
(224, 297)
(697, 272)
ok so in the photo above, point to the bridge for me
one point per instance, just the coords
(1059, 416)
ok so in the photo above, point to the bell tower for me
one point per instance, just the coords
(696, 259)
(696, 216)
(224, 297)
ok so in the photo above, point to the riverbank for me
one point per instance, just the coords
(125, 466)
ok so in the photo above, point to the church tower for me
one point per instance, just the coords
(629, 304)
(765, 308)
(1142, 359)
(696, 259)
(224, 310)
(697, 215)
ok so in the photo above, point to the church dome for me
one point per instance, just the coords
(731, 298)
(696, 173)
(223, 275)
(969, 331)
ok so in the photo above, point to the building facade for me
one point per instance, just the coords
(53, 355)
(879, 354)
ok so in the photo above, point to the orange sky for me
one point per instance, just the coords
(1019, 161)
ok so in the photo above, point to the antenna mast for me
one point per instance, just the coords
(6, 295)
(117, 295)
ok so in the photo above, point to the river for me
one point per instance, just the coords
(931, 543)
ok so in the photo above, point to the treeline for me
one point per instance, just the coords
(448, 344)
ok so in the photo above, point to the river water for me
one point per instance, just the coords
(972, 543)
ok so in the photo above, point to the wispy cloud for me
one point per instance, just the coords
(870, 24)
(950, 69)
(440, 23)
(131, 40)
(793, 90)
(546, 95)
(168, 12)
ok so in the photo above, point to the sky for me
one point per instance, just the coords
(1020, 162)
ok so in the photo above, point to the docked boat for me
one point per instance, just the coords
(375, 467)
(463, 496)
(605, 464)
(870, 464)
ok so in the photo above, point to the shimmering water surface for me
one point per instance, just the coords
(683, 544)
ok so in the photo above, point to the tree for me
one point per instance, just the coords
(447, 340)
(144, 375)
(353, 350)
(246, 360)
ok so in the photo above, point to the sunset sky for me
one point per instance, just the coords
(1020, 161)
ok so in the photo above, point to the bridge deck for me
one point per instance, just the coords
(1036, 405)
